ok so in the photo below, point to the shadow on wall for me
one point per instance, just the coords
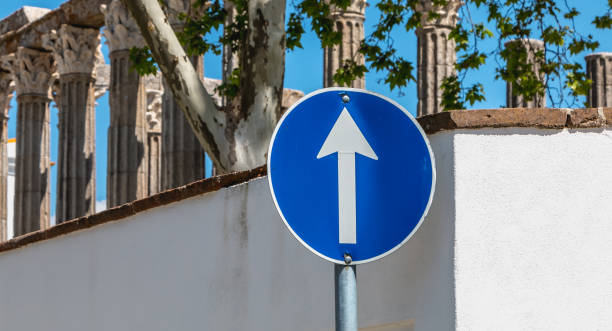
(419, 277)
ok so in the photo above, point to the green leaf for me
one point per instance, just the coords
(451, 90)
(142, 61)
(231, 86)
(295, 30)
(603, 22)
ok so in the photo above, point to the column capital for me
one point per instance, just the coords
(121, 32)
(599, 55)
(76, 50)
(349, 23)
(154, 110)
(7, 87)
(154, 89)
(357, 7)
(446, 15)
(102, 79)
(528, 43)
(33, 70)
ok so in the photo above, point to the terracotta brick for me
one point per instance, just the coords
(546, 118)
(585, 118)
(607, 112)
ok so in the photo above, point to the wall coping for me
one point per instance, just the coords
(543, 118)
(120, 212)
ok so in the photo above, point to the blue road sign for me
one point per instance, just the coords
(351, 172)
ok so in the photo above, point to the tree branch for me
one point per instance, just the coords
(207, 122)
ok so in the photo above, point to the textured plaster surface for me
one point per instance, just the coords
(221, 261)
(517, 238)
(533, 229)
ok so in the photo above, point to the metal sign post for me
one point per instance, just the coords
(345, 283)
(352, 176)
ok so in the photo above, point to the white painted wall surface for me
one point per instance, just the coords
(533, 240)
(518, 238)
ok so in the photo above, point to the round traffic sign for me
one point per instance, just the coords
(351, 173)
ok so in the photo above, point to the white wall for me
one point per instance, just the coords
(220, 261)
(533, 240)
(518, 238)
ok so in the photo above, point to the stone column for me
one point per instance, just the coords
(513, 101)
(32, 73)
(6, 93)
(102, 72)
(599, 71)
(154, 133)
(127, 135)
(436, 57)
(182, 154)
(74, 50)
(350, 23)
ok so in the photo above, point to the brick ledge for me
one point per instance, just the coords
(545, 118)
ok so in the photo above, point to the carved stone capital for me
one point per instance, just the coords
(102, 79)
(155, 90)
(531, 45)
(75, 49)
(7, 87)
(32, 71)
(121, 30)
(448, 14)
(357, 7)
(154, 110)
(7, 62)
(101, 74)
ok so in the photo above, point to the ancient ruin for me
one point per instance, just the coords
(599, 70)
(54, 56)
(349, 23)
(436, 55)
(514, 100)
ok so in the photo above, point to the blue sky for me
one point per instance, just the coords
(304, 72)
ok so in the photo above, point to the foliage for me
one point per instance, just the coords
(507, 20)
(142, 61)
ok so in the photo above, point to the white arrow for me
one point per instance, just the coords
(346, 140)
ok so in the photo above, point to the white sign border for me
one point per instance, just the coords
(431, 155)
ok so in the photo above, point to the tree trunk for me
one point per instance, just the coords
(235, 139)
(201, 113)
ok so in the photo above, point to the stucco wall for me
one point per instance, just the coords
(518, 238)
(220, 261)
(533, 238)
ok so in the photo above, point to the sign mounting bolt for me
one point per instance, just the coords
(345, 98)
